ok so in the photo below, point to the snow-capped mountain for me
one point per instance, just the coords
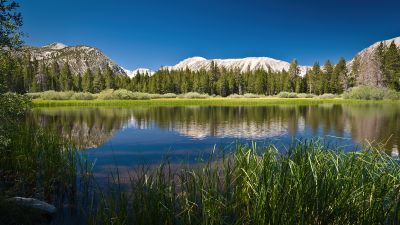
(79, 58)
(244, 64)
(132, 73)
(369, 68)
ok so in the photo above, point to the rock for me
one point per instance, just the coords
(37, 205)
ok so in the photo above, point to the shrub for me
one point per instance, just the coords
(123, 94)
(35, 95)
(140, 96)
(235, 96)
(106, 94)
(371, 93)
(327, 96)
(53, 95)
(251, 95)
(83, 96)
(167, 95)
(305, 95)
(193, 95)
(285, 94)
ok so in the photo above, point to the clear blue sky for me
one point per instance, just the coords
(152, 33)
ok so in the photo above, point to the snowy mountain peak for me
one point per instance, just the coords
(242, 64)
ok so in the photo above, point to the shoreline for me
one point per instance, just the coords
(206, 102)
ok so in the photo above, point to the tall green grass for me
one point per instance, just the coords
(371, 93)
(34, 162)
(308, 185)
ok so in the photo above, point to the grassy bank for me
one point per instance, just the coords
(202, 102)
(309, 185)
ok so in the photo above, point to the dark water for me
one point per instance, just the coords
(132, 136)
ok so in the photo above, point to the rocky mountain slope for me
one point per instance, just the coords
(79, 58)
(244, 64)
(369, 68)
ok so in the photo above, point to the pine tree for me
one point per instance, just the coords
(87, 81)
(99, 83)
(294, 73)
(109, 78)
(78, 82)
(355, 72)
(55, 76)
(27, 71)
(392, 66)
(326, 79)
(66, 78)
(339, 77)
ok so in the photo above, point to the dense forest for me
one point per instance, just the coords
(21, 74)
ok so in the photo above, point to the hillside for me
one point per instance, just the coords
(79, 58)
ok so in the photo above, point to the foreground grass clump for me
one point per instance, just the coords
(371, 93)
(308, 185)
(33, 162)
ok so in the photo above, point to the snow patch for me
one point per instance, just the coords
(132, 73)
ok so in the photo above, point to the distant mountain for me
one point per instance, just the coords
(244, 64)
(79, 58)
(369, 69)
(132, 73)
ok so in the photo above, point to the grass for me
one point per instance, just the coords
(309, 185)
(371, 93)
(202, 102)
(34, 162)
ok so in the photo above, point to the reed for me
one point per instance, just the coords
(309, 184)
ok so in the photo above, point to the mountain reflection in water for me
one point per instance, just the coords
(134, 134)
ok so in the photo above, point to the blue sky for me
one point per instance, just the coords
(153, 33)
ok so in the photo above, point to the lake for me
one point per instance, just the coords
(128, 137)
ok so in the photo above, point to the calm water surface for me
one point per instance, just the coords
(132, 136)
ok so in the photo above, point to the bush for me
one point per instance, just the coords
(235, 96)
(54, 95)
(35, 95)
(167, 95)
(193, 95)
(251, 95)
(371, 93)
(140, 96)
(305, 95)
(106, 94)
(285, 94)
(122, 94)
(83, 96)
(327, 96)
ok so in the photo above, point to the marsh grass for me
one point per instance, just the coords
(308, 185)
(37, 163)
(34, 162)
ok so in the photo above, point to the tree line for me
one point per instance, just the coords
(21, 74)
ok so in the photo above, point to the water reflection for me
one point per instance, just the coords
(151, 130)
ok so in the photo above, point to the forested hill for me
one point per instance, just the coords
(81, 68)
